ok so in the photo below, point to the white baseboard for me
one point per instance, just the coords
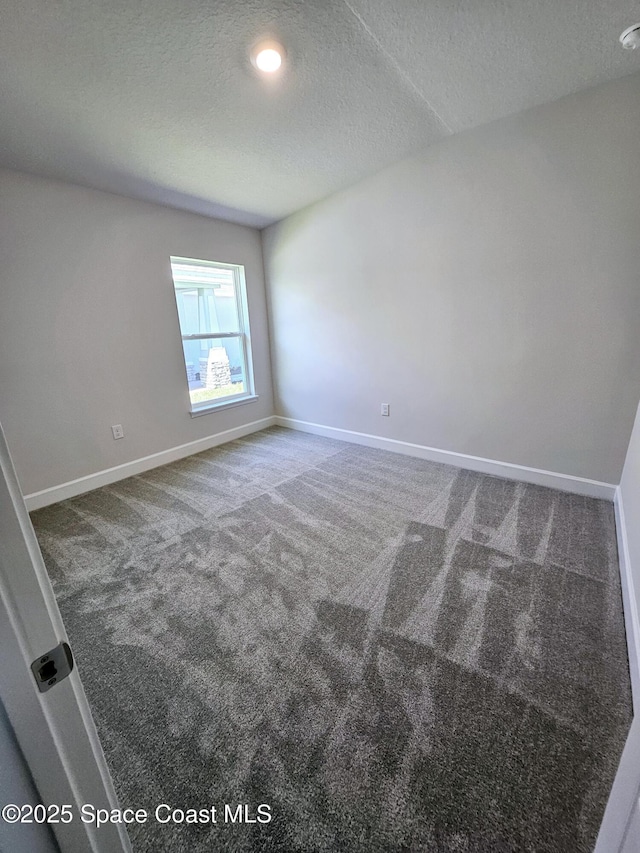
(629, 602)
(120, 472)
(565, 482)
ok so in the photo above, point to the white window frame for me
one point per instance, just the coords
(243, 333)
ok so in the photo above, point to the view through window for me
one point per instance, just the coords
(211, 300)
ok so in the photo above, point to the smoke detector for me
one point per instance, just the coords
(630, 38)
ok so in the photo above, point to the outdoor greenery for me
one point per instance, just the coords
(202, 394)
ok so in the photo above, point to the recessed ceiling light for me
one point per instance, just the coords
(630, 38)
(267, 56)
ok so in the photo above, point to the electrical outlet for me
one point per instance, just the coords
(384, 410)
(117, 431)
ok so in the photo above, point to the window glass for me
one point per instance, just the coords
(211, 302)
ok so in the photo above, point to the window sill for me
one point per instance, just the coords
(224, 404)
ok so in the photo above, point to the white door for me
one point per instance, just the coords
(620, 829)
(53, 729)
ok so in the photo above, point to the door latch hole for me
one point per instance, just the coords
(52, 667)
(47, 671)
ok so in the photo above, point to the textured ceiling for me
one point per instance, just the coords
(157, 99)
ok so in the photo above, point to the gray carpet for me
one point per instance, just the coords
(391, 653)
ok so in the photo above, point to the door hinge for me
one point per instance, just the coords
(54, 666)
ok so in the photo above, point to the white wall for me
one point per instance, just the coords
(488, 289)
(629, 519)
(630, 497)
(89, 334)
(626, 790)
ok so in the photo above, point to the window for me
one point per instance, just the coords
(212, 309)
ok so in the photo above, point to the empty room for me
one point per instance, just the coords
(320, 445)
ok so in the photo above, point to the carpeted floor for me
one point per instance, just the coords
(390, 653)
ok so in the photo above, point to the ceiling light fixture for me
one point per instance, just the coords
(267, 56)
(630, 38)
